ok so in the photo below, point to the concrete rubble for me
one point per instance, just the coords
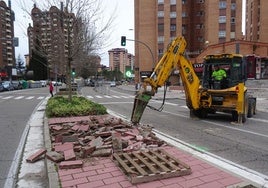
(95, 136)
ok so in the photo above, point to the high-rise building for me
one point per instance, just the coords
(201, 22)
(7, 51)
(120, 60)
(256, 21)
(50, 36)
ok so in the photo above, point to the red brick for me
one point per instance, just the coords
(114, 179)
(210, 178)
(64, 172)
(74, 182)
(93, 167)
(99, 177)
(66, 178)
(75, 127)
(83, 128)
(115, 185)
(106, 170)
(63, 147)
(71, 164)
(69, 155)
(36, 156)
(56, 127)
(85, 174)
(229, 181)
(211, 185)
(88, 150)
(91, 184)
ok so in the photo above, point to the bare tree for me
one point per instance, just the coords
(84, 32)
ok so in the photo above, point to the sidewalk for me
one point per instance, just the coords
(207, 170)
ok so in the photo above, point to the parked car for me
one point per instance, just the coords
(43, 83)
(1, 87)
(112, 84)
(8, 86)
(56, 83)
(17, 84)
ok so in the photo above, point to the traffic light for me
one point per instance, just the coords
(73, 71)
(128, 72)
(123, 40)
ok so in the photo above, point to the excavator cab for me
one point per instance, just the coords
(233, 64)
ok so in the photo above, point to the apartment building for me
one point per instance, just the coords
(7, 51)
(120, 60)
(256, 20)
(201, 22)
(49, 37)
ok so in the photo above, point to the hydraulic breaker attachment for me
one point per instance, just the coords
(140, 103)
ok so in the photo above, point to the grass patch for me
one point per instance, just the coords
(60, 106)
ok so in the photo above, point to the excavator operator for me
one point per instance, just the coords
(218, 77)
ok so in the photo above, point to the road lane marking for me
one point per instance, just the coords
(7, 97)
(19, 97)
(28, 98)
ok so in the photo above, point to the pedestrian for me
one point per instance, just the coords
(51, 88)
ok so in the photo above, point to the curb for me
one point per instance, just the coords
(53, 178)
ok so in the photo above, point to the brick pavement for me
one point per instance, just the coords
(103, 172)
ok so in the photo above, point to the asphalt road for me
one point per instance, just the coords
(16, 109)
(245, 145)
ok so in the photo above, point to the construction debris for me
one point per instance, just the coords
(136, 149)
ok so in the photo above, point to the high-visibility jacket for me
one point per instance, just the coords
(219, 74)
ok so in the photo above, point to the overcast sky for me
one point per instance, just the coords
(122, 25)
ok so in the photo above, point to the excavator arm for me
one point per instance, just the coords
(172, 58)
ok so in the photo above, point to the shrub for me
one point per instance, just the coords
(60, 106)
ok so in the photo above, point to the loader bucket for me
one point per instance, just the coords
(140, 103)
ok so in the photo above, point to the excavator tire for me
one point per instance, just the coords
(250, 109)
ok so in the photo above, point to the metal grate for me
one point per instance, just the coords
(145, 166)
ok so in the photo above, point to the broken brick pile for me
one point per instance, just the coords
(94, 136)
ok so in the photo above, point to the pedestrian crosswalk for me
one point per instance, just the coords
(15, 97)
(110, 96)
(21, 97)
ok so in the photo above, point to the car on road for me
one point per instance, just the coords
(112, 84)
(8, 86)
(17, 84)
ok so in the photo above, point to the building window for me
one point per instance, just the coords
(200, 13)
(222, 34)
(160, 14)
(160, 1)
(183, 2)
(160, 27)
(160, 39)
(222, 19)
(200, 1)
(184, 14)
(184, 29)
(233, 20)
(199, 26)
(173, 14)
(233, 6)
(173, 27)
(173, 2)
(232, 35)
(222, 4)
